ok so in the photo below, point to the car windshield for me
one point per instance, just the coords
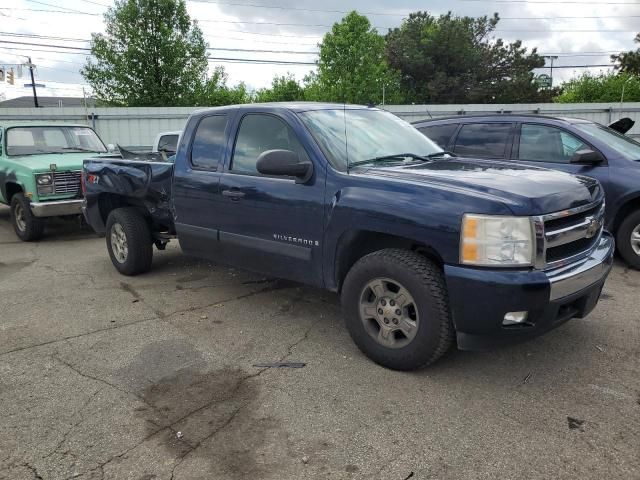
(54, 139)
(358, 135)
(624, 145)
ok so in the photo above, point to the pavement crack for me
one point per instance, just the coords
(33, 469)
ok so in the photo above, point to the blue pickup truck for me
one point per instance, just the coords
(426, 250)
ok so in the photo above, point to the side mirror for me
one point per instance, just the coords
(284, 163)
(588, 157)
(111, 148)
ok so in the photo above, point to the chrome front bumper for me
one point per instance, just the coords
(577, 276)
(58, 208)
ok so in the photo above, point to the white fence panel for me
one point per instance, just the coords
(137, 126)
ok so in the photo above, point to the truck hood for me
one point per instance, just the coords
(42, 162)
(524, 190)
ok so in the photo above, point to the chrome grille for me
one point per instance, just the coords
(567, 236)
(66, 183)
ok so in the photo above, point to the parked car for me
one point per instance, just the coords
(166, 142)
(40, 168)
(423, 248)
(572, 145)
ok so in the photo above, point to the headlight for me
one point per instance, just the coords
(488, 240)
(44, 179)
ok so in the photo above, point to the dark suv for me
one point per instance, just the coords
(568, 144)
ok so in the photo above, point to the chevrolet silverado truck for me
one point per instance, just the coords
(40, 169)
(425, 249)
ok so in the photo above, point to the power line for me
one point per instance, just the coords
(581, 2)
(70, 10)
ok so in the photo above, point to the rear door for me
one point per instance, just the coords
(490, 140)
(271, 224)
(553, 147)
(196, 180)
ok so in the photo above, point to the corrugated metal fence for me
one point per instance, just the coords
(138, 126)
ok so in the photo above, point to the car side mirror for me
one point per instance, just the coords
(587, 156)
(111, 148)
(284, 163)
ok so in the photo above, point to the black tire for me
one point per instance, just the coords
(623, 239)
(130, 223)
(27, 227)
(425, 283)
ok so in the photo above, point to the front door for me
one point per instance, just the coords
(271, 224)
(553, 147)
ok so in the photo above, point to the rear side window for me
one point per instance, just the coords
(488, 140)
(440, 134)
(208, 142)
(168, 143)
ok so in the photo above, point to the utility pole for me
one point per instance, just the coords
(552, 58)
(33, 83)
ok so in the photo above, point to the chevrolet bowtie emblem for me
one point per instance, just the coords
(593, 227)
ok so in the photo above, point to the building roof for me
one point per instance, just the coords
(27, 102)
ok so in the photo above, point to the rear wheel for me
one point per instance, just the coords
(628, 239)
(129, 241)
(397, 309)
(27, 227)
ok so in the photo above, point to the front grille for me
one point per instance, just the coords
(66, 183)
(570, 235)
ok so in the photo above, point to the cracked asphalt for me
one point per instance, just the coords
(109, 377)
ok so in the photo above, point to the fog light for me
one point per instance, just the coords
(515, 318)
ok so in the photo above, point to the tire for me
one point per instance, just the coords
(425, 314)
(629, 227)
(129, 241)
(27, 227)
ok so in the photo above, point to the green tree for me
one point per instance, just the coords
(151, 54)
(451, 59)
(215, 92)
(629, 62)
(283, 89)
(352, 66)
(604, 87)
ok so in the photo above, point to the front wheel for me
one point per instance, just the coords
(129, 241)
(628, 239)
(26, 225)
(397, 309)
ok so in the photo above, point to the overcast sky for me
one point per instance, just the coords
(554, 27)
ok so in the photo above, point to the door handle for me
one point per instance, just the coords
(233, 194)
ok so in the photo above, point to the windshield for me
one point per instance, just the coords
(625, 146)
(34, 140)
(369, 134)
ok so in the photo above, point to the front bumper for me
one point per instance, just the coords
(480, 298)
(57, 208)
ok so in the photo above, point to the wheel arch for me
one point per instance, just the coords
(355, 244)
(629, 206)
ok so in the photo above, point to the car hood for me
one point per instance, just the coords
(525, 190)
(43, 162)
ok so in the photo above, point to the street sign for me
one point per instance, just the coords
(39, 85)
(543, 80)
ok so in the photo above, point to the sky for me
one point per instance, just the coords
(579, 32)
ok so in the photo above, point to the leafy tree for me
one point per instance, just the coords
(283, 89)
(451, 59)
(151, 55)
(215, 91)
(629, 61)
(351, 65)
(604, 87)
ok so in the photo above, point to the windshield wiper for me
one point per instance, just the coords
(79, 149)
(442, 153)
(391, 157)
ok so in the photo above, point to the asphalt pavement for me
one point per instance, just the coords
(151, 377)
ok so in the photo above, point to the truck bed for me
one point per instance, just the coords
(142, 184)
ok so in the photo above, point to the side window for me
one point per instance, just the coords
(487, 140)
(440, 134)
(257, 134)
(541, 143)
(168, 143)
(208, 142)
